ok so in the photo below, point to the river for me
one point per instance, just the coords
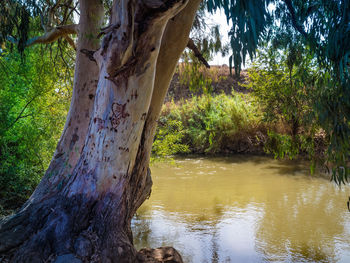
(244, 209)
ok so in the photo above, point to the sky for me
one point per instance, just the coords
(220, 18)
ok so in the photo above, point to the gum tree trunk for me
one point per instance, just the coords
(86, 76)
(174, 41)
(81, 212)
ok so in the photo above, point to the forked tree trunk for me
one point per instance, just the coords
(86, 214)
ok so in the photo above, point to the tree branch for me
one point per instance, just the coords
(70, 41)
(197, 53)
(54, 34)
(295, 22)
(20, 116)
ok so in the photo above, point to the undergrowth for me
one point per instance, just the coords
(210, 124)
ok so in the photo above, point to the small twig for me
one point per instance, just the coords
(20, 114)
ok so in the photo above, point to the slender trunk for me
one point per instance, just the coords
(86, 75)
(72, 140)
(174, 41)
(86, 214)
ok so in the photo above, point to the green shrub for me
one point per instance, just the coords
(168, 139)
(215, 124)
(283, 85)
(33, 108)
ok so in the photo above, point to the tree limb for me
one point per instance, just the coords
(295, 23)
(20, 116)
(70, 41)
(197, 53)
(54, 34)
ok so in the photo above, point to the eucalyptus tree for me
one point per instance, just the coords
(99, 175)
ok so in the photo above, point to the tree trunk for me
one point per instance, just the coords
(174, 41)
(72, 140)
(85, 214)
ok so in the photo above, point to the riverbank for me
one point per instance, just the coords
(225, 116)
(211, 124)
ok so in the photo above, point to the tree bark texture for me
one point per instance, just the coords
(86, 76)
(174, 41)
(99, 176)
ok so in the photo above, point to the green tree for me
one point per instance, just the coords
(33, 108)
(283, 82)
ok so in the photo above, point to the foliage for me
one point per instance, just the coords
(33, 106)
(168, 139)
(21, 18)
(250, 21)
(214, 124)
(324, 27)
(206, 36)
(283, 84)
(194, 76)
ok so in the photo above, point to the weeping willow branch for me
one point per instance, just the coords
(197, 53)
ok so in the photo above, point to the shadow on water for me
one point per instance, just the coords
(229, 159)
(283, 167)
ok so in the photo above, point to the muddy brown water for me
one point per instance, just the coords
(244, 209)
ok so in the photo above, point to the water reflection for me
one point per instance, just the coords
(244, 209)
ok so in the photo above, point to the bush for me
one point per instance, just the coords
(216, 124)
(283, 85)
(33, 106)
(168, 139)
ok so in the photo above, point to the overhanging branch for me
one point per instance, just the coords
(197, 53)
(51, 36)
(295, 22)
(54, 34)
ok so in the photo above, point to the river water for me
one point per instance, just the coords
(244, 209)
